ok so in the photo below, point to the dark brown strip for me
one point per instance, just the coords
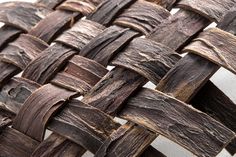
(56, 145)
(50, 3)
(38, 109)
(217, 46)
(83, 124)
(80, 34)
(83, 6)
(14, 143)
(15, 92)
(212, 9)
(70, 82)
(178, 29)
(168, 4)
(106, 45)
(23, 50)
(44, 68)
(107, 11)
(22, 15)
(109, 94)
(7, 71)
(192, 129)
(85, 69)
(55, 23)
(142, 16)
(148, 58)
(8, 34)
(120, 140)
(185, 79)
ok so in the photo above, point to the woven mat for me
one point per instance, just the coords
(53, 75)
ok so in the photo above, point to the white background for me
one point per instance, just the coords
(224, 79)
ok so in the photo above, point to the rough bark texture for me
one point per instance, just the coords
(75, 65)
(142, 16)
(212, 9)
(42, 104)
(217, 46)
(143, 56)
(22, 15)
(194, 130)
(106, 45)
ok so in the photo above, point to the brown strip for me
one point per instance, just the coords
(14, 143)
(70, 82)
(85, 69)
(120, 140)
(212, 9)
(185, 79)
(83, 6)
(217, 46)
(55, 23)
(192, 129)
(84, 125)
(8, 34)
(38, 108)
(178, 29)
(43, 68)
(105, 46)
(21, 14)
(109, 94)
(7, 71)
(15, 92)
(168, 4)
(50, 3)
(142, 16)
(80, 34)
(56, 145)
(23, 50)
(107, 11)
(150, 59)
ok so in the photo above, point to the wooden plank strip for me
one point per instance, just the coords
(83, 6)
(217, 46)
(142, 16)
(85, 69)
(44, 67)
(106, 45)
(14, 143)
(120, 140)
(148, 58)
(51, 26)
(56, 145)
(8, 34)
(52, 4)
(23, 50)
(38, 109)
(212, 9)
(178, 29)
(15, 92)
(80, 34)
(192, 129)
(185, 79)
(107, 11)
(109, 94)
(83, 124)
(22, 15)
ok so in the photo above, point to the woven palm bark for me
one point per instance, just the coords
(53, 75)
